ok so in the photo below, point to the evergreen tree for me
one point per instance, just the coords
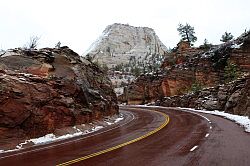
(58, 44)
(206, 44)
(231, 72)
(187, 33)
(226, 37)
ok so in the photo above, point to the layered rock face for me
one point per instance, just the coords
(145, 89)
(186, 67)
(122, 44)
(43, 90)
(232, 98)
(240, 55)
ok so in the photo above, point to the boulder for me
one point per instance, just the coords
(210, 105)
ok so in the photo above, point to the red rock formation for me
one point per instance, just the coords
(232, 98)
(181, 54)
(186, 66)
(42, 90)
(145, 89)
(241, 56)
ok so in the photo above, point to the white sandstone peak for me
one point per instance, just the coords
(119, 43)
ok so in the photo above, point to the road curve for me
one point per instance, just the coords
(135, 125)
(188, 139)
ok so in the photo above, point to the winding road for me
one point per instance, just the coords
(152, 136)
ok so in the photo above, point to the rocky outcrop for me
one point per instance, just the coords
(240, 54)
(186, 67)
(43, 90)
(124, 44)
(145, 89)
(181, 54)
(232, 98)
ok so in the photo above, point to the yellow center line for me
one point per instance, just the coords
(167, 119)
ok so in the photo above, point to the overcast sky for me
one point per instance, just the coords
(78, 23)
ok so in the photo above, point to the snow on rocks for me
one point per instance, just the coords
(235, 45)
(119, 91)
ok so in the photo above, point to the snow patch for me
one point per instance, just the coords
(19, 146)
(119, 119)
(236, 45)
(109, 123)
(51, 137)
(22, 79)
(26, 74)
(115, 121)
(119, 91)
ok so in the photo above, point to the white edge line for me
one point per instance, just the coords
(184, 111)
(198, 115)
(179, 108)
(196, 146)
(63, 143)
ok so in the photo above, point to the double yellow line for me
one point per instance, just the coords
(167, 119)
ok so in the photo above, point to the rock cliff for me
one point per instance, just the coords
(43, 90)
(189, 68)
(233, 97)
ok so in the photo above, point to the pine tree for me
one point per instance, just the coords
(58, 44)
(226, 37)
(206, 44)
(187, 33)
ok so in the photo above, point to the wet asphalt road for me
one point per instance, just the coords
(188, 139)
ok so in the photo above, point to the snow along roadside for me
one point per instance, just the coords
(243, 121)
(52, 137)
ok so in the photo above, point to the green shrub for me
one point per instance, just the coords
(196, 86)
(231, 72)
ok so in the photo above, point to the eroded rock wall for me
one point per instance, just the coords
(186, 67)
(232, 98)
(42, 90)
